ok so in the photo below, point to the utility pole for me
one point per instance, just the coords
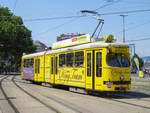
(123, 15)
(132, 46)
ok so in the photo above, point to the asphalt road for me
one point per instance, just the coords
(23, 97)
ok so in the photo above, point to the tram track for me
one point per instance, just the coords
(124, 102)
(136, 105)
(115, 98)
(6, 96)
(112, 99)
(34, 97)
(1, 76)
(62, 102)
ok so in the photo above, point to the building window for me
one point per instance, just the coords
(62, 60)
(79, 58)
(70, 59)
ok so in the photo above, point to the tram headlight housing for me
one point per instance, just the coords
(121, 78)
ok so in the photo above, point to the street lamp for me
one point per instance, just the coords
(123, 15)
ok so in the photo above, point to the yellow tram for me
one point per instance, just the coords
(81, 63)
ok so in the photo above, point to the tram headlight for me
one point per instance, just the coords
(121, 78)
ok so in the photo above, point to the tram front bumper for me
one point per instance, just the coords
(120, 88)
(117, 86)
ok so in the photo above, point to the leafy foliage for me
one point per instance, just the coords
(141, 63)
(15, 38)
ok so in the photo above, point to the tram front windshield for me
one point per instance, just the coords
(117, 60)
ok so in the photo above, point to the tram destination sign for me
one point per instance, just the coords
(119, 50)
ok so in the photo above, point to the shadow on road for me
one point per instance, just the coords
(127, 95)
(137, 95)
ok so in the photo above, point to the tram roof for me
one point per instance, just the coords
(34, 54)
(78, 47)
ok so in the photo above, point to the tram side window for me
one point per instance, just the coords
(32, 63)
(88, 64)
(98, 64)
(24, 63)
(79, 58)
(28, 63)
(62, 60)
(70, 59)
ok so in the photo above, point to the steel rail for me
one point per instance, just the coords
(34, 97)
(6, 97)
(113, 99)
(2, 76)
(128, 103)
(62, 102)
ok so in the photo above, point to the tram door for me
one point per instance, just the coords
(93, 69)
(52, 70)
(89, 69)
(54, 65)
(36, 69)
(98, 69)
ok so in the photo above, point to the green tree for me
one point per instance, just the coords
(15, 38)
(133, 64)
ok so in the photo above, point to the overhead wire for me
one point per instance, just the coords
(143, 39)
(127, 12)
(125, 7)
(109, 3)
(65, 23)
(68, 17)
(53, 18)
(134, 27)
(73, 18)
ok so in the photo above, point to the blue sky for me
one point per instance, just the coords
(46, 31)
